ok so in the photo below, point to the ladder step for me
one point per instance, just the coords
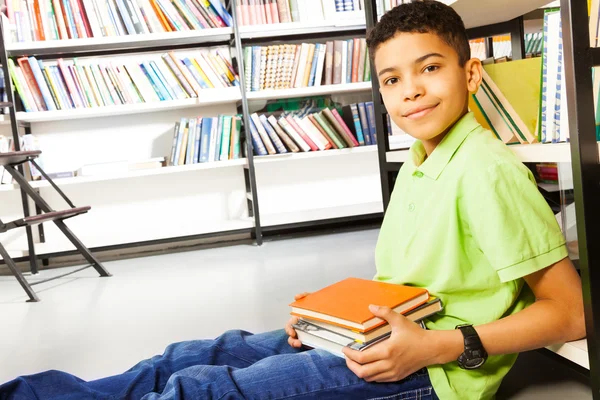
(4, 104)
(18, 157)
(45, 217)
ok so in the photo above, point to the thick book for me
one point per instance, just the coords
(425, 310)
(312, 335)
(346, 303)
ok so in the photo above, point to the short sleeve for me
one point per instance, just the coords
(510, 221)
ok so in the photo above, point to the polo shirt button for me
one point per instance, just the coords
(411, 207)
(419, 174)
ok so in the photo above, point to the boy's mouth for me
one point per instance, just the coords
(419, 112)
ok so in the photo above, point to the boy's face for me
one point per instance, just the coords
(424, 88)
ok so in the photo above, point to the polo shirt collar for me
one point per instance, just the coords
(433, 165)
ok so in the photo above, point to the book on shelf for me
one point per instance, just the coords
(262, 12)
(285, 66)
(41, 20)
(90, 82)
(333, 338)
(27, 142)
(524, 101)
(310, 130)
(346, 302)
(206, 139)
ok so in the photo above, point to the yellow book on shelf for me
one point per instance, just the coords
(520, 82)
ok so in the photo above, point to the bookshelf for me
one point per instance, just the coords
(527, 153)
(300, 28)
(277, 158)
(116, 132)
(126, 42)
(209, 97)
(309, 91)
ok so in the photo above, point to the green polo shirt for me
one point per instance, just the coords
(468, 223)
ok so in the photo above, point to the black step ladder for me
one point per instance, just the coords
(11, 162)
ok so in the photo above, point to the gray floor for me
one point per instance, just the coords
(94, 327)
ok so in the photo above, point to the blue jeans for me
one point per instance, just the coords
(236, 365)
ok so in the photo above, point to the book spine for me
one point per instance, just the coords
(371, 117)
(225, 142)
(263, 134)
(317, 126)
(282, 135)
(331, 132)
(302, 134)
(347, 130)
(293, 134)
(257, 144)
(357, 125)
(272, 135)
(364, 123)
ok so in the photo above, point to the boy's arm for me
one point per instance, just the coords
(555, 317)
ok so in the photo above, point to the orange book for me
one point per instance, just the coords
(355, 59)
(161, 17)
(346, 303)
(38, 26)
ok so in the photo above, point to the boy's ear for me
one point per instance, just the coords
(473, 68)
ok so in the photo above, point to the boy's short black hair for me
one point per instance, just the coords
(422, 16)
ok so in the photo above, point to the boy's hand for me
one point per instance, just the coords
(293, 338)
(403, 353)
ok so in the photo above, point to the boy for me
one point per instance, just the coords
(465, 221)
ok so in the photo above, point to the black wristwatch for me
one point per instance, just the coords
(474, 355)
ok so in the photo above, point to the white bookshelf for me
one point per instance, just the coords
(320, 213)
(275, 158)
(208, 97)
(487, 12)
(576, 351)
(60, 182)
(215, 35)
(555, 152)
(309, 91)
(299, 28)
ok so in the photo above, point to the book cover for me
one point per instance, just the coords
(346, 303)
(425, 310)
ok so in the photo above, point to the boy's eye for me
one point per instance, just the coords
(431, 68)
(390, 81)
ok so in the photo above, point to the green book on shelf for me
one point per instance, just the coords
(330, 130)
(13, 74)
(226, 137)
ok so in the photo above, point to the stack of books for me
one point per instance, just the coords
(206, 139)
(261, 12)
(286, 66)
(38, 20)
(338, 316)
(312, 131)
(142, 78)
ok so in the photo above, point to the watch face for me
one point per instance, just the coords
(473, 363)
